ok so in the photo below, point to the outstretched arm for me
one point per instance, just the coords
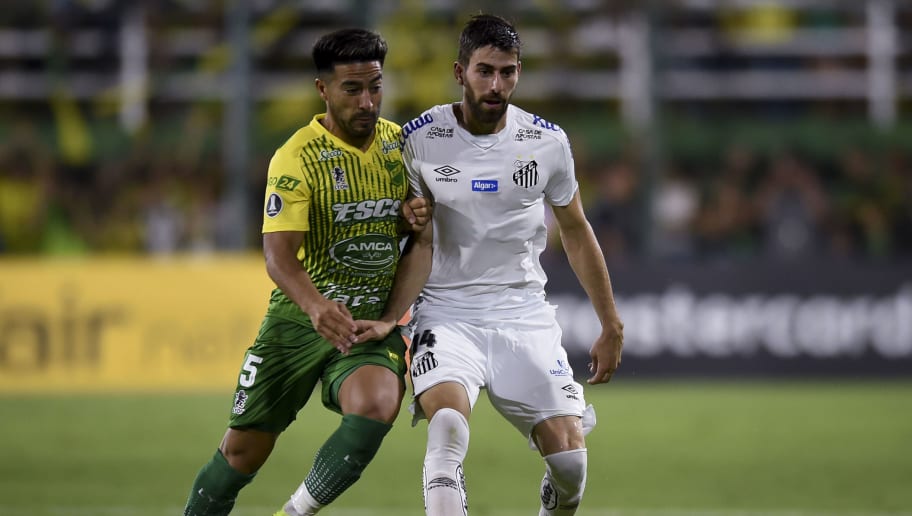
(411, 275)
(588, 263)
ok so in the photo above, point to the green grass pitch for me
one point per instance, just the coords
(660, 449)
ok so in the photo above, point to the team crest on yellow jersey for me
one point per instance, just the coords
(396, 171)
(341, 183)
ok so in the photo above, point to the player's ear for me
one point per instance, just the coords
(458, 70)
(321, 88)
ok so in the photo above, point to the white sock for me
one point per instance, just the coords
(444, 483)
(301, 503)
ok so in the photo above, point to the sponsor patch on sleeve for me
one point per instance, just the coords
(287, 183)
(274, 205)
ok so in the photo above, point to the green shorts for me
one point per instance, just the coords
(284, 364)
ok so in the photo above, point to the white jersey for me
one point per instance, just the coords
(489, 215)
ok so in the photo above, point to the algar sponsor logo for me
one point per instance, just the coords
(366, 210)
(484, 185)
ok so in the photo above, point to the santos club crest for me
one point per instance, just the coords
(526, 174)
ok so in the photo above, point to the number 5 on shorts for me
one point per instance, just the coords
(249, 370)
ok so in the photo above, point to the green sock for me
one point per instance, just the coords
(216, 487)
(343, 457)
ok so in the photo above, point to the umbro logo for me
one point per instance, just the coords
(574, 392)
(446, 171)
(570, 388)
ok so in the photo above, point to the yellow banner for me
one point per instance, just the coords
(128, 324)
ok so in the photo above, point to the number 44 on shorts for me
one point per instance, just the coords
(425, 339)
(423, 360)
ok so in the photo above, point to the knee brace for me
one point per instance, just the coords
(444, 482)
(564, 482)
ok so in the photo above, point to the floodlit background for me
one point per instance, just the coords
(746, 164)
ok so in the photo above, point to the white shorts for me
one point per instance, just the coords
(521, 364)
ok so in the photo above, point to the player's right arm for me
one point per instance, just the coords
(285, 226)
(331, 319)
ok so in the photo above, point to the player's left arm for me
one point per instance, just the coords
(588, 263)
(414, 214)
(414, 265)
(412, 273)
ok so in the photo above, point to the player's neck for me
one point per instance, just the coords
(476, 127)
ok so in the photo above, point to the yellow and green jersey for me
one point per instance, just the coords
(348, 203)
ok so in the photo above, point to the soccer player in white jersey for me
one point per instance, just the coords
(482, 320)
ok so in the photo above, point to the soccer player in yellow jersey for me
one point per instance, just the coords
(335, 211)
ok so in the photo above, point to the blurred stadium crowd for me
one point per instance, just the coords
(744, 204)
(738, 204)
(74, 180)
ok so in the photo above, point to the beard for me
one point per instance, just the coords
(483, 113)
(358, 125)
(361, 125)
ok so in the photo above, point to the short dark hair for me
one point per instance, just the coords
(484, 30)
(348, 46)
